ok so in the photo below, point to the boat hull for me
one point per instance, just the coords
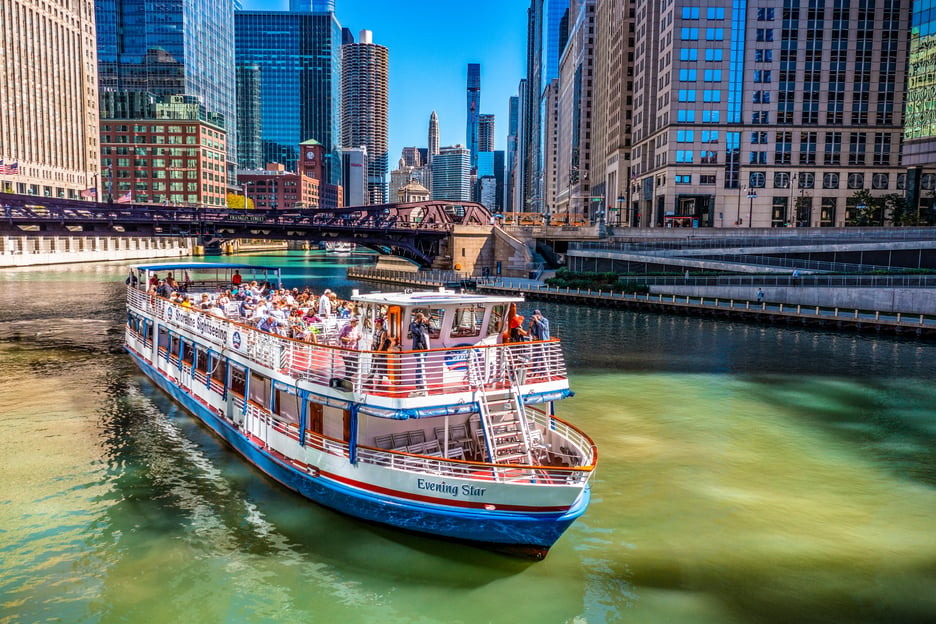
(528, 534)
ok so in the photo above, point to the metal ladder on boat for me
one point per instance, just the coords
(503, 421)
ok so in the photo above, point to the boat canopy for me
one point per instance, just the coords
(436, 298)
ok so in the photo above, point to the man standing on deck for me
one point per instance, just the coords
(419, 331)
(324, 305)
(539, 330)
(349, 337)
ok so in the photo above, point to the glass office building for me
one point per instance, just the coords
(170, 48)
(299, 56)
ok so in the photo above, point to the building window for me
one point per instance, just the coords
(684, 156)
(757, 179)
(711, 116)
(688, 54)
(687, 95)
(856, 148)
(714, 54)
(711, 95)
(686, 116)
(708, 157)
(689, 34)
(684, 179)
(765, 14)
(685, 136)
(715, 13)
(855, 181)
(706, 179)
(759, 137)
(690, 13)
(761, 97)
(830, 180)
(710, 136)
(687, 75)
(712, 75)
(758, 158)
(879, 181)
(760, 117)
(714, 34)
(762, 75)
(763, 34)
(762, 56)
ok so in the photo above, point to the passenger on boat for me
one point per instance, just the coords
(517, 333)
(349, 337)
(324, 305)
(381, 343)
(268, 324)
(236, 279)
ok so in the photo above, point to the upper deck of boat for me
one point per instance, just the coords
(467, 338)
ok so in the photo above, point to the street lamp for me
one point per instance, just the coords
(752, 195)
(245, 192)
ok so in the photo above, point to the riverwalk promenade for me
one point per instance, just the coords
(774, 312)
(776, 309)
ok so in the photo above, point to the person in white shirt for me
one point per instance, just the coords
(324, 305)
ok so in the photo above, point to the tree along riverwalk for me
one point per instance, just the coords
(742, 309)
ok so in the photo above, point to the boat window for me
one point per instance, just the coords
(260, 389)
(238, 379)
(174, 346)
(186, 351)
(467, 323)
(288, 406)
(494, 324)
(435, 316)
(218, 369)
(201, 361)
(163, 338)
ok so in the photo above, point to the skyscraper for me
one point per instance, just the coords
(364, 100)
(486, 133)
(451, 174)
(920, 126)
(768, 115)
(171, 48)
(433, 136)
(249, 118)
(299, 56)
(473, 111)
(49, 97)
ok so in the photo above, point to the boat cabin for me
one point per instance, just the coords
(455, 319)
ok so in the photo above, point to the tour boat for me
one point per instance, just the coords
(340, 247)
(458, 440)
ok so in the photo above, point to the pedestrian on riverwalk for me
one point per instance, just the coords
(795, 276)
(760, 295)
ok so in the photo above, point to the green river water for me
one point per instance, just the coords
(747, 473)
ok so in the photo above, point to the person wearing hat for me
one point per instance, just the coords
(517, 333)
(324, 305)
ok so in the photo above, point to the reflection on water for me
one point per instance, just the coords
(747, 474)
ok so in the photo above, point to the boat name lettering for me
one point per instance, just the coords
(447, 488)
(199, 323)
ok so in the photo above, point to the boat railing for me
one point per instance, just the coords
(262, 422)
(483, 471)
(399, 374)
(391, 374)
(578, 440)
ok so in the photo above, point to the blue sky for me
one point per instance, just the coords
(431, 44)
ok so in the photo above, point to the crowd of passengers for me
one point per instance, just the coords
(304, 316)
(290, 313)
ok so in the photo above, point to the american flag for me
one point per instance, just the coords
(91, 192)
(11, 169)
(126, 198)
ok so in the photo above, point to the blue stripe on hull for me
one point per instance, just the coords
(533, 534)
